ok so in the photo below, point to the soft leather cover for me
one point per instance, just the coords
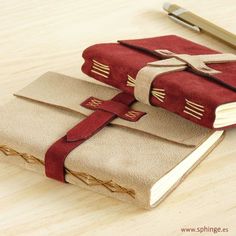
(124, 160)
(190, 95)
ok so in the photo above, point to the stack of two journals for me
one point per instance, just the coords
(137, 143)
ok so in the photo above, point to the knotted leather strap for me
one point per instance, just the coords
(175, 62)
(57, 153)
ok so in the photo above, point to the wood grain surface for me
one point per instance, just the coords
(38, 36)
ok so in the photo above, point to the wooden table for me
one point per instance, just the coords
(38, 36)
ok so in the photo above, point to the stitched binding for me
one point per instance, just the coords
(117, 108)
(212, 78)
(100, 69)
(193, 109)
(87, 179)
(158, 93)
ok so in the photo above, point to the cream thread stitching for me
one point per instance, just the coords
(132, 114)
(193, 103)
(158, 98)
(99, 69)
(130, 81)
(94, 102)
(96, 72)
(158, 93)
(194, 109)
(100, 64)
(158, 89)
(191, 110)
(192, 115)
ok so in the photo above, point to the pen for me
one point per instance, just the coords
(197, 23)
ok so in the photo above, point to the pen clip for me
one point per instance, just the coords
(184, 23)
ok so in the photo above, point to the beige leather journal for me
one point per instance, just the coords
(139, 162)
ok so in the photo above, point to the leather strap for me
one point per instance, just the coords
(57, 153)
(175, 62)
(117, 108)
(145, 77)
(197, 62)
(208, 58)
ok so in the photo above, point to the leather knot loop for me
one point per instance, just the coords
(174, 62)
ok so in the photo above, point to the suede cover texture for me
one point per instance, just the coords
(124, 61)
(131, 155)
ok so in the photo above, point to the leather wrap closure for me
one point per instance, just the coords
(117, 108)
(175, 62)
(105, 112)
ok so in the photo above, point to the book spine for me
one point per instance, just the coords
(109, 187)
(197, 109)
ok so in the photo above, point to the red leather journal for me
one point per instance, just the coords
(171, 72)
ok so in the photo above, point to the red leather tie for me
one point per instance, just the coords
(105, 112)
